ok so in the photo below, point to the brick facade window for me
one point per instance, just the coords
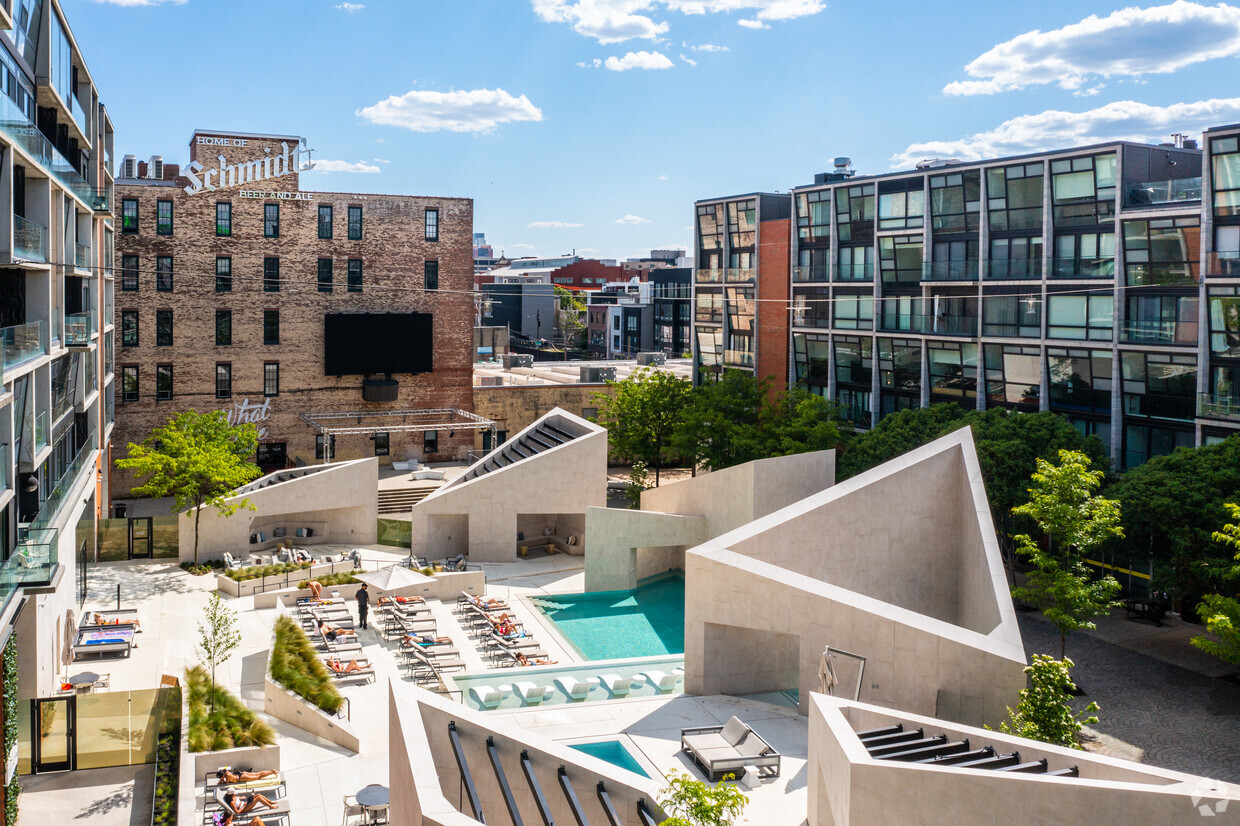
(129, 383)
(325, 221)
(430, 272)
(432, 225)
(163, 217)
(430, 441)
(271, 378)
(320, 443)
(271, 220)
(129, 215)
(355, 275)
(223, 274)
(271, 326)
(223, 328)
(223, 218)
(163, 328)
(223, 380)
(271, 275)
(129, 273)
(129, 328)
(355, 223)
(163, 382)
(325, 275)
(382, 444)
(163, 273)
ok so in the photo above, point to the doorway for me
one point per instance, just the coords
(54, 729)
(141, 537)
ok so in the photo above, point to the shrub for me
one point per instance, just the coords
(168, 762)
(295, 664)
(204, 568)
(259, 571)
(342, 578)
(1044, 712)
(231, 725)
(690, 802)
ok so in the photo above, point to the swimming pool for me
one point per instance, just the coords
(614, 752)
(648, 621)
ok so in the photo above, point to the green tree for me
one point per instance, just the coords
(1063, 503)
(690, 802)
(1221, 613)
(1172, 505)
(1044, 711)
(737, 419)
(641, 414)
(198, 459)
(217, 636)
(570, 309)
(639, 480)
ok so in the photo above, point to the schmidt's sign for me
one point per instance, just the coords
(267, 167)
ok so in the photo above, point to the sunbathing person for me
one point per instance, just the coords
(230, 776)
(524, 660)
(336, 667)
(316, 589)
(225, 818)
(400, 600)
(485, 604)
(242, 804)
(330, 632)
(100, 619)
(424, 639)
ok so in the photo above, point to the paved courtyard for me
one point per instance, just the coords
(1152, 711)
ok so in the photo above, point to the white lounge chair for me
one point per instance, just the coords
(533, 694)
(662, 681)
(488, 696)
(617, 685)
(577, 690)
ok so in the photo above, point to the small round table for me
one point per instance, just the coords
(373, 796)
(84, 681)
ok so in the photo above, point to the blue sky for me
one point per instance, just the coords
(595, 124)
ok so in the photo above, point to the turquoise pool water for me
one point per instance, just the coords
(614, 752)
(648, 621)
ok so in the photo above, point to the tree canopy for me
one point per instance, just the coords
(198, 459)
(642, 413)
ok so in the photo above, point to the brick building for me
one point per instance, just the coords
(238, 291)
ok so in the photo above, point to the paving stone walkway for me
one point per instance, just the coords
(1152, 711)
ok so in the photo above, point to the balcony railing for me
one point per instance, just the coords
(18, 128)
(901, 323)
(81, 256)
(50, 509)
(855, 272)
(1218, 406)
(1163, 274)
(78, 329)
(6, 468)
(738, 275)
(100, 199)
(710, 276)
(79, 116)
(1223, 263)
(951, 325)
(29, 240)
(1083, 268)
(808, 274)
(743, 358)
(23, 343)
(1014, 268)
(1160, 332)
(33, 562)
(1163, 193)
(949, 270)
(41, 431)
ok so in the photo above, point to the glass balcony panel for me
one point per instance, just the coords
(23, 343)
(58, 498)
(29, 240)
(1160, 332)
(1083, 268)
(1219, 406)
(33, 562)
(741, 275)
(854, 272)
(18, 128)
(41, 431)
(1162, 193)
(710, 276)
(965, 270)
(78, 329)
(6, 469)
(79, 115)
(952, 325)
(1014, 268)
(805, 274)
(1223, 263)
(81, 256)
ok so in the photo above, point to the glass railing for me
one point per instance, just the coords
(78, 329)
(109, 408)
(854, 272)
(33, 562)
(41, 432)
(949, 270)
(738, 275)
(29, 240)
(951, 325)
(108, 353)
(18, 128)
(100, 199)
(80, 117)
(1014, 268)
(92, 373)
(1162, 193)
(109, 305)
(107, 160)
(1218, 405)
(742, 358)
(57, 323)
(23, 343)
(81, 256)
(806, 274)
(1162, 274)
(6, 468)
(1160, 332)
(1083, 267)
(61, 404)
(50, 509)
(1223, 263)
(901, 323)
(709, 276)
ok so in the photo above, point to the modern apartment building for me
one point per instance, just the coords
(1101, 282)
(672, 290)
(56, 237)
(241, 291)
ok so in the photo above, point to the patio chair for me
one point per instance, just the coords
(533, 694)
(661, 680)
(488, 696)
(282, 805)
(231, 563)
(352, 809)
(617, 685)
(577, 690)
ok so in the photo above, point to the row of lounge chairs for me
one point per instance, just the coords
(575, 688)
(272, 788)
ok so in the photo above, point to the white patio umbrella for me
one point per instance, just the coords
(392, 577)
(827, 680)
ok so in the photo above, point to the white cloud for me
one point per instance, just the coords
(351, 8)
(551, 225)
(1126, 43)
(706, 47)
(588, 250)
(690, 61)
(638, 60)
(615, 21)
(344, 166)
(752, 24)
(1090, 92)
(1054, 129)
(131, 3)
(596, 63)
(479, 110)
(380, 160)
(632, 220)
(520, 246)
(380, 140)
(661, 178)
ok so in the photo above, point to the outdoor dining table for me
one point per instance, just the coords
(374, 797)
(84, 681)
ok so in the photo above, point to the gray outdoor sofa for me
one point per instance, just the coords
(729, 749)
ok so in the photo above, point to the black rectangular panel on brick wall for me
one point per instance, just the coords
(359, 344)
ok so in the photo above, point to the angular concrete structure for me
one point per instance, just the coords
(537, 485)
(627, 545)
(899, 565)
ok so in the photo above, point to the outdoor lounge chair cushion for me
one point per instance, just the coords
(617, 685)
(534, 694)
(488, 696)
(734, 731)
(708, 741)
(752, 746)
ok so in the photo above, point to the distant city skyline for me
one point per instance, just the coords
(594, 126)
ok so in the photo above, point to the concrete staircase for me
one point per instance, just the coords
(398, 502)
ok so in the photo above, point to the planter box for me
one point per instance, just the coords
(284, 705)
(445, 587)
(258, 758)
(232, 588)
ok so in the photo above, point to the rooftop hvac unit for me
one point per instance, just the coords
(490, 381)
(648, 359)
(129, 166)
(512, 360)
(597, 375)
(155, 168)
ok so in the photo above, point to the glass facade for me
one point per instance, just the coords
(953, 371)
(1083, 190)
(1013, 376)
(1162, 252)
